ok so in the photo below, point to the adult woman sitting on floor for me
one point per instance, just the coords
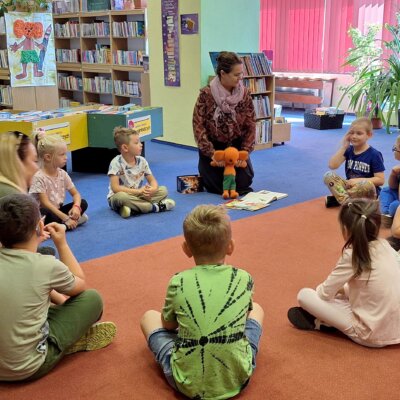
(224, 116)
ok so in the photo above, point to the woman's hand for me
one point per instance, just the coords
(241, 164)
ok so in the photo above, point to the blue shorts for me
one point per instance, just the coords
(161, 343)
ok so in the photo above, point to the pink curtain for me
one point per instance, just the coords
(293, 30)
(311, 35)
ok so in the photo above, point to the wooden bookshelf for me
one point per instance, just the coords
(102, 46)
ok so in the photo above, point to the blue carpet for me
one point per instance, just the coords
(295, 168)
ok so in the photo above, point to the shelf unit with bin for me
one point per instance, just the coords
(103, 63)
(6, 100)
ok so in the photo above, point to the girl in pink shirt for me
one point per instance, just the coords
(361, 296)
(51, 182)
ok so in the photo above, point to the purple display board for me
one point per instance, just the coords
(170, 37)
(189, 24)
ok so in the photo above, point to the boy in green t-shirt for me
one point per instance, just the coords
(206, 338)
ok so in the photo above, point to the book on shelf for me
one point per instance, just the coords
(65, 6)
(95, 5)
(254, 201)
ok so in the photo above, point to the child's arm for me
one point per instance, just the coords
(378, 180)
(116, 187)
(338, 158)
(75, 211)
(45, 203)
(394, 177)
(169, 325)
(57, 233)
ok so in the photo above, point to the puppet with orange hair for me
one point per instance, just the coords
(30, 31)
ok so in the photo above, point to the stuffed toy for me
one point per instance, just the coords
(230, 156)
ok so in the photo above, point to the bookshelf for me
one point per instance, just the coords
(6, 100)
(258, 78)
(100, 53)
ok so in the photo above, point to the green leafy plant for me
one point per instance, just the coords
(24, 5)
(376, 86)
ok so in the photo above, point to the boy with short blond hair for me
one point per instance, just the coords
(206, 338)
(127, 173)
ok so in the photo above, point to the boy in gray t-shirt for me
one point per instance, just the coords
(34, 335)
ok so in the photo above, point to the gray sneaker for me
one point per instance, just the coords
(83, 219)
(166, 205)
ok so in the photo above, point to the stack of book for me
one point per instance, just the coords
(96, 29)
(65, 6)
(68, 30)
(255, 85)
(127, 88)
(5, 95)
(98, 84)
(3, 59)
(262, 106)
(68, 55)
(69, 82)
(129, 29)
(122, 57)
(263, 131)
(102, 55)
(256, 64)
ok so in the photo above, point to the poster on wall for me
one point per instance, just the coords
(189, 24)
(170, 37)
(30, 44)
(142, 125)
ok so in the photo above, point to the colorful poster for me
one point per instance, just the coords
(142, 125)
(170, 37)
(189, 24)
(30, 44)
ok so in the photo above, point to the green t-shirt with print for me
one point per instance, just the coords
(211, 357)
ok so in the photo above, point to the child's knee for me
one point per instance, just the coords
(329, 176)
(304, 296)
(162, 191)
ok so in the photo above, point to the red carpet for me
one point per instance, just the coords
(284, 250)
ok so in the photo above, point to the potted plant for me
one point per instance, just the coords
(375, 91)
(24, 5)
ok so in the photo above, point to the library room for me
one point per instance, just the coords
(199, 199)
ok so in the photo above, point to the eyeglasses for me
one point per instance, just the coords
(394, 148)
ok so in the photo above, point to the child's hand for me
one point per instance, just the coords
(57, 232)
(346, 140)
(71, 223)
(74, 213)
(148, 191)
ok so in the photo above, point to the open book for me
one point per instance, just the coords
(254, 201)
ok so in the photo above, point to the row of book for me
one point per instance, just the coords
(3, 59)
(68, 55)
(69, 82)
(258, 85)
(123, 4)
(66, 102)
(68, 30)
(65, 6)
(122, 57)
(98, 29)
(128, 29)
(98, 84)
(102, 55)
(262, 106)
(256, 64)
(126, 88)
(6, 95)
(263, 131)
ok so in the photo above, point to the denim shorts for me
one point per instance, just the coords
(161, 343)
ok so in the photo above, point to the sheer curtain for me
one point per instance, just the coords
(311, 35)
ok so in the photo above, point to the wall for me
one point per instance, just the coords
(224, 25)
(231, 25)
(177, 102)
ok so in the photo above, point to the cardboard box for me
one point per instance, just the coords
(189, 184)
(281, 132)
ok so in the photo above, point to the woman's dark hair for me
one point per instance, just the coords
(19, 216)
(226, 60)
(360, 220)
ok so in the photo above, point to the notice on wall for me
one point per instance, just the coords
(62, 129)
(189, 24)
(170, 37)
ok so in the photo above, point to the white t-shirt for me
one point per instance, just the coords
(129, 176)
(54, 186)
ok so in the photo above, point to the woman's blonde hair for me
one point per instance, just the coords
(207, 231)
(13, 150)
(48, 144)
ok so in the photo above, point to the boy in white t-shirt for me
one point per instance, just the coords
(127, 173)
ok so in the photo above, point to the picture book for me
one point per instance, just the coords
(254, 201)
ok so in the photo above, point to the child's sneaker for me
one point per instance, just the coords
(125, 212)
(386, 221)
(330, 201)
(83, 218)
(98, 336)
(165, 205)
(301, 319)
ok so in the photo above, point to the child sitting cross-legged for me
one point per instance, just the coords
(206, 338)
(127, 173)
(34, 335)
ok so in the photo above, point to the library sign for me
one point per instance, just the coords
(170, 37)
(141, 125)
